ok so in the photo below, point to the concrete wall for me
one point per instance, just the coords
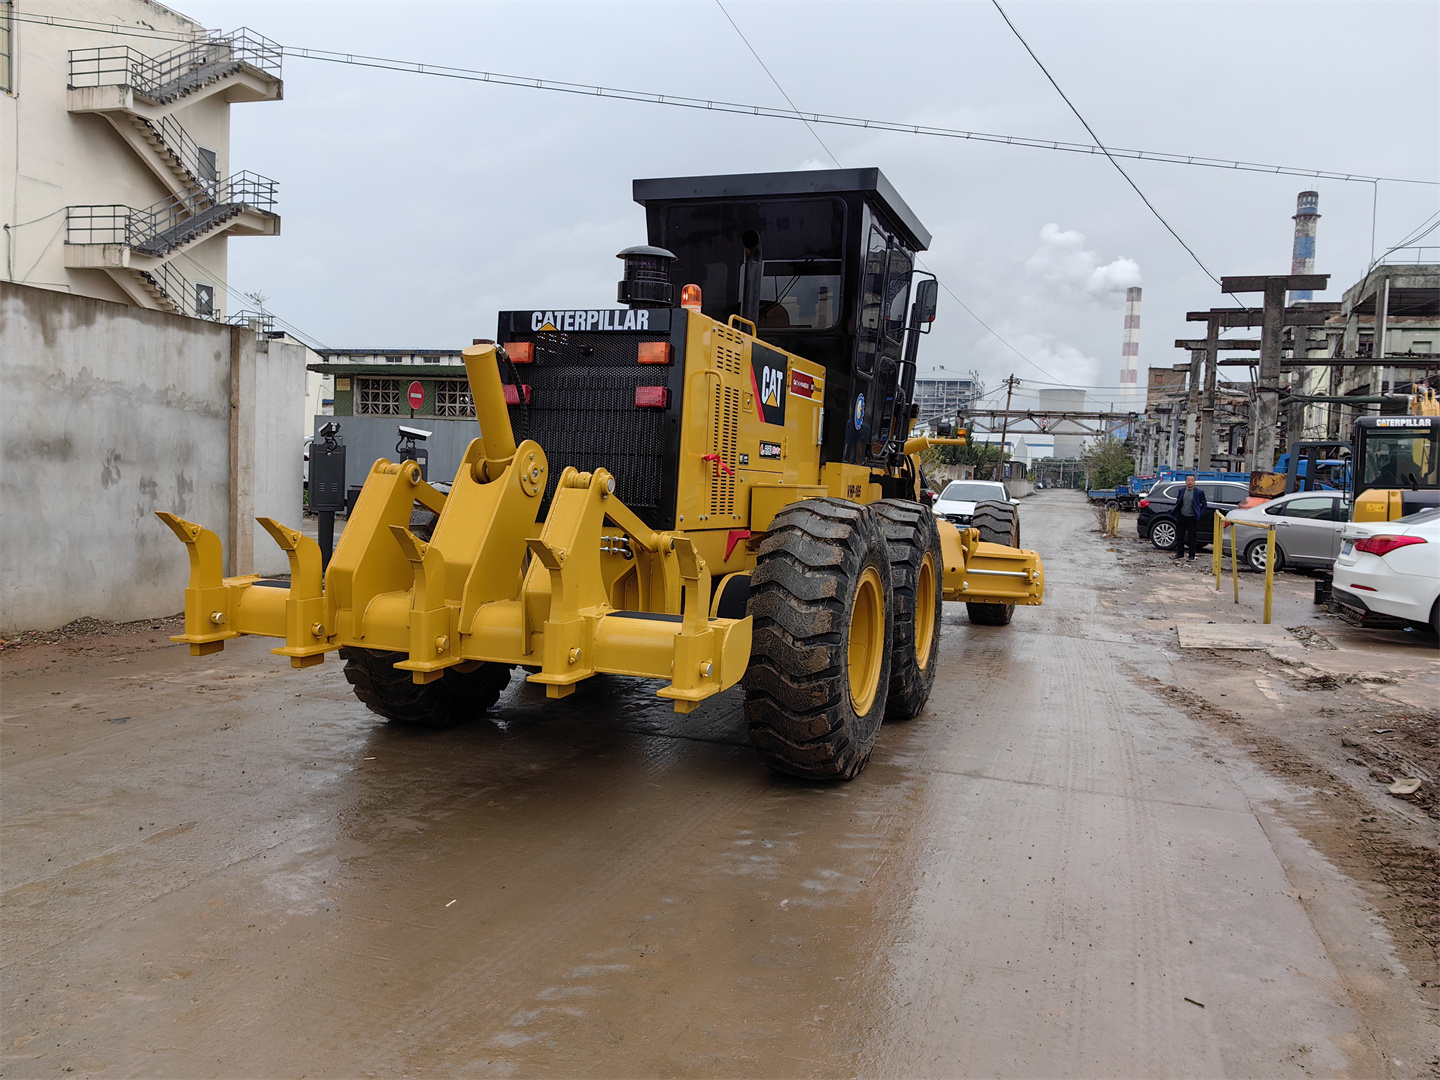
(108, 413)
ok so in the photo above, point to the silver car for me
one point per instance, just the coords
(1307, 524)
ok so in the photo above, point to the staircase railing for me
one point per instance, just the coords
(184, 293)
(170, 75)
(173, 222)
(186, 150)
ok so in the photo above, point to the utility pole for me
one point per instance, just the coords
(1010, 385)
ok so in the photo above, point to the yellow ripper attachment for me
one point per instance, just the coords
(569, 596)
(979, 572)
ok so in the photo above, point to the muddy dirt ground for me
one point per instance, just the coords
(1096, 853)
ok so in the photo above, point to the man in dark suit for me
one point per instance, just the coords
(1190, 510)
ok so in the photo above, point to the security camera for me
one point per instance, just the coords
(414, 433)
(329, 430)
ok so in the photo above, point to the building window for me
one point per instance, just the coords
(7, 46)
(377, 397)
(452, 398)
(204, 301)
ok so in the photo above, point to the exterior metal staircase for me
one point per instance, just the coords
(138, 95)
(183, 72)
(131, 243)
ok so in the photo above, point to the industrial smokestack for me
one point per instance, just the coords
(1302, 259)
(1130, 349)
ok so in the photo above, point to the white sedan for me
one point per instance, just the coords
(1388, 572)
(957, 502)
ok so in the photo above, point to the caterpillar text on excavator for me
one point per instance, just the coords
(721, 491)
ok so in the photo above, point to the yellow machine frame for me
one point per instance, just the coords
(590, 588)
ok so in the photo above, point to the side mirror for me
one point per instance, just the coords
(926, 294)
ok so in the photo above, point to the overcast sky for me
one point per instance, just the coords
(415, 208)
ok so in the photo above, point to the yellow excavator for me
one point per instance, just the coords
(724, 490)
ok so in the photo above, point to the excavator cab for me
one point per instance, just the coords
(1396, 466)
(822, 262)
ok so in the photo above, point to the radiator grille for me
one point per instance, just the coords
(582, 413)
(722, 441)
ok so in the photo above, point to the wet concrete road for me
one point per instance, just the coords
(254, 876)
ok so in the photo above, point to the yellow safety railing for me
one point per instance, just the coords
(1218, 560)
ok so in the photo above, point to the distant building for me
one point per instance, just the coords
(941, 399)
(115, 172)
(1069, 437)
(1406, 300)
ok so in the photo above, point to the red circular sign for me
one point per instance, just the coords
(416, 394)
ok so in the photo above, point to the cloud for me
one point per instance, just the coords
(1063, 259)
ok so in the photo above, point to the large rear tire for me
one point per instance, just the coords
(823, 638)
(999, 523)
(457, 698)
(916, 574)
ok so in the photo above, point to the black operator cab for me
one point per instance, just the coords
(822, 262)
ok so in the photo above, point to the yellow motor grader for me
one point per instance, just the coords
(724, 491)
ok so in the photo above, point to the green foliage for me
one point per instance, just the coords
(1108, 463)
(977, 455)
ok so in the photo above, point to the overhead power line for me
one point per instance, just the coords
(713, 105)
(1111, 157)
(953, 295)
(776, 81)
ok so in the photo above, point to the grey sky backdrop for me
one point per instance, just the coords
(414, 207)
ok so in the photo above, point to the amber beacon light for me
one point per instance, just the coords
(690, 298)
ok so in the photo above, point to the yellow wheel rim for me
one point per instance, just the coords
(867, 640)
(924, 611)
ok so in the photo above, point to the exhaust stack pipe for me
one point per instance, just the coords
(752, 271)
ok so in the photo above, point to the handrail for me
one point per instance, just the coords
(173, 74)
(173, 222)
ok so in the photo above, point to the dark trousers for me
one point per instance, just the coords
(1186, 532)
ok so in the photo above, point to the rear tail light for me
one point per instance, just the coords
(1383, 545)
(521, 352)
(512, 395)
(654, 352)
(690, 297)
(652, 397)
(1144, 503)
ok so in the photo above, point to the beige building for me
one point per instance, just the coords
(1390, 317)
(115, 173)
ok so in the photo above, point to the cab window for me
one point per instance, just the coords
(1401, 459)
(802, 242)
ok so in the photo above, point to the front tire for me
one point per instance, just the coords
(916, 576)
(999, 523)
(457, 698)
(823, 637)
(1255, 556)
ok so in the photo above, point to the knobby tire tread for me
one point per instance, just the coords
(797, 697)
(457, 698)
(999, 523)
(910, 532)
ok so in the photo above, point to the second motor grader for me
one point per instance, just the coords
(719, 491)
